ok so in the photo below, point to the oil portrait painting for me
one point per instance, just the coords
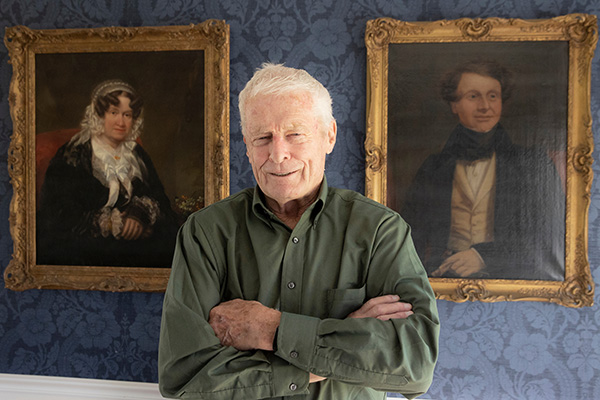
(117, 147)
(476, 135)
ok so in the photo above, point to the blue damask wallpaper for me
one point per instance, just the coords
(488, 351)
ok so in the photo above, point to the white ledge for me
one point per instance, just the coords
(33, 387)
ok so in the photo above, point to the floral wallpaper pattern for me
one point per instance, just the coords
(488, 351)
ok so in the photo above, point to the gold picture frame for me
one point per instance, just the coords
(407, 122)
(182, 73)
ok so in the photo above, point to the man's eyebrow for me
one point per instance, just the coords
(295, 125)
(261, 130)
(469, 91)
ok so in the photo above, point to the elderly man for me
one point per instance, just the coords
(294, 288)
(485, 207)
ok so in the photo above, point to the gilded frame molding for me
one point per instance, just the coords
(210, 37)
(580, 32)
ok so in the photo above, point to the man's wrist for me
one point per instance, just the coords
(270, 327)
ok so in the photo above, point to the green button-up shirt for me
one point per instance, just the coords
(344, 250)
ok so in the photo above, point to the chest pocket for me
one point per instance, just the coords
(341, 302)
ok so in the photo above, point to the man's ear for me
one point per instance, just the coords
(453, 106)
(331, 136)
(246, 143)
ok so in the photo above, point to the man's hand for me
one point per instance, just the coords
(464, 263)
(315, 378)
(245, 324)
(383, 308)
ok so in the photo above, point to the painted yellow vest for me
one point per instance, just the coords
(473, 194)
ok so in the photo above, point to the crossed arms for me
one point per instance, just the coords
(248, 325)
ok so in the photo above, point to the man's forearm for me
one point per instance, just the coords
(248, 325)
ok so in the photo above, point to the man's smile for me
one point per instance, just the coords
(282, 174)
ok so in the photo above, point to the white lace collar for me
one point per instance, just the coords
(115, 167)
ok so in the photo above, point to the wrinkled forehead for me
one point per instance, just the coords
(293, 106)
(296, 103)
(297, 99)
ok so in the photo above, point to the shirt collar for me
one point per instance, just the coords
(261, 210)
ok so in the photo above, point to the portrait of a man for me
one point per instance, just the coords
(478, 133)
(485, 206)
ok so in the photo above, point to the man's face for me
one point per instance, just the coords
(286, 145)
(479, 103)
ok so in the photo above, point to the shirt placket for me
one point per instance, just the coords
(292, 271)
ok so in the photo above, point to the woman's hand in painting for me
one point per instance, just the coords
(462, 264)
(134, 229)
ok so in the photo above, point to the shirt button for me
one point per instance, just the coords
(294, 354)
(295, 240)
(293, 387)
(291, 285)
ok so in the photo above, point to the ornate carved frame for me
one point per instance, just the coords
(581, 34)
(211, 37)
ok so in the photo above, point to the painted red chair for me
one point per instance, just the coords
(46, 146)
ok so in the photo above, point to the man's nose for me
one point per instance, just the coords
(279, 150)
(484, 103)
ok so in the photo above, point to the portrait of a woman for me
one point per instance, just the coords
(102, 202)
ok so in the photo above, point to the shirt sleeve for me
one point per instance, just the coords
(397, 355)
(192, 362)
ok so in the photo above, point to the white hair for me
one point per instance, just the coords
(277, 80)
